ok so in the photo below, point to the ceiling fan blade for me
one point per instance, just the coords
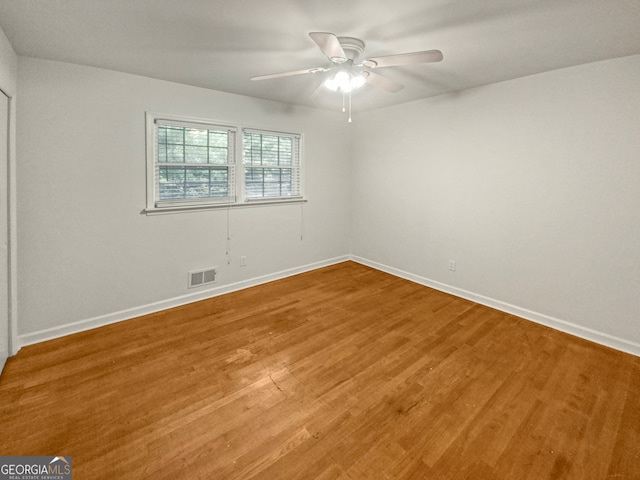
(330, 46)
(289, 74)
(383, 82)
(427, 56)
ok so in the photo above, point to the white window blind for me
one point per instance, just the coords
(271, 165)
(194, 163)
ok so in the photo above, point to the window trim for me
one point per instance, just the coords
(152, 203)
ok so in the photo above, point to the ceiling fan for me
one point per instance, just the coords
(348, 72)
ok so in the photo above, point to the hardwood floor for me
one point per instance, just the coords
(341, 373)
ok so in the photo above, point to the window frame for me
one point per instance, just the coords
(156, 206)
(295, 167)
(230, 165)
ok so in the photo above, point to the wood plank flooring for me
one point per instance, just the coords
(340, 373)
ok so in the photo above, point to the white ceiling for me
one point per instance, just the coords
(220, 44)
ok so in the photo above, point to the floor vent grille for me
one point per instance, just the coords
(201, 277)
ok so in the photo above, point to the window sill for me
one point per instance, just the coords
(220, 206)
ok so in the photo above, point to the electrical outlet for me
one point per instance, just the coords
(243, 261)
(452, 265)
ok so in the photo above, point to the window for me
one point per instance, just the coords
(192, 163)
(271, 165)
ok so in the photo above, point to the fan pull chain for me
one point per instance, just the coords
(343, 95)
(301, 221)
(228, 236)
(349, 107)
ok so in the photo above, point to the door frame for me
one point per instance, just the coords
(11, 227)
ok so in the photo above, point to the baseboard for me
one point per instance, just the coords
(555, 323)
(564, 326)
(102, 320)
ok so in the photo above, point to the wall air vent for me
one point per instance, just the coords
(201, 277)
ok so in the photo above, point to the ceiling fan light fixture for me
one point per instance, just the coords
(345, 81)
(338, 82)
(357, 81)
(332, 84)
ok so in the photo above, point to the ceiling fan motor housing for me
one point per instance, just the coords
(353, 48)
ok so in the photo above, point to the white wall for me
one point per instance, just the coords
(532, 186)
(88, 255)
(9, 84)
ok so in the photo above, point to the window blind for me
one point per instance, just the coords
(271, 164)
(194, 163)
